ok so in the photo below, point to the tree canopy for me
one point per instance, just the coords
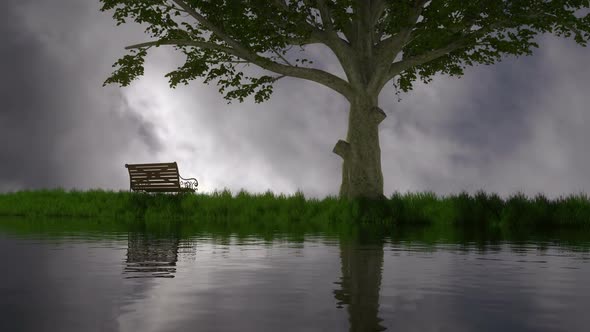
(365, 35)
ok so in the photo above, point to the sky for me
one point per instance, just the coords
(518, 125)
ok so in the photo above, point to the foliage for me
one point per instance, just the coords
(451, 34)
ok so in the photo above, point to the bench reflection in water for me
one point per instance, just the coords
(151, 257)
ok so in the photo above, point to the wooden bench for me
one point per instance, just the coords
(159, 177)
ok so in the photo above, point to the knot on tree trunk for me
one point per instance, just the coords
(377, 114)
(342, 148)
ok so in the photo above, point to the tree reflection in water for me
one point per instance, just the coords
(362, 263)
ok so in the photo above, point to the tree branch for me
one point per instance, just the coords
(244, 53)
(341, 48)
(314, 38)
(181, 42)
(378, 9)
(155, 2)
(280, 56)
(465, 41)
(387, 49)
(326, 16)
(400, 66)
(316, 75)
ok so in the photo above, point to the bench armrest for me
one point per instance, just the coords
(191, 183)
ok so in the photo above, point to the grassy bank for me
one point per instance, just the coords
(479, 210)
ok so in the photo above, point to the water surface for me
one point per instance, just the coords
(133, 279)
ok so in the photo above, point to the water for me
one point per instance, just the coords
(138, 280)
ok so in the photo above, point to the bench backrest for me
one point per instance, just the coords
(158, 177)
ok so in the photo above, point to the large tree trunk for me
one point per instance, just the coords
(361, 154)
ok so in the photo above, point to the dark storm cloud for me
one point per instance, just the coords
(26, 133)
(52, 127)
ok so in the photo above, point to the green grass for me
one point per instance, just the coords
(295, 212)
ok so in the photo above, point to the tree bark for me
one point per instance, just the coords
(361, 154)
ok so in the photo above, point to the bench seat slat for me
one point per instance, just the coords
(154, 176)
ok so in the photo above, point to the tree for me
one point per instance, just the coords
(365, 35)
